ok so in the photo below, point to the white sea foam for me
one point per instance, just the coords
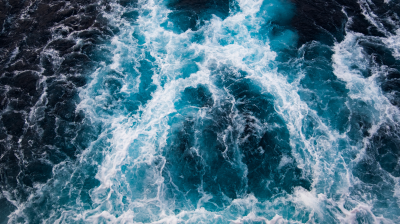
(391, 40)
(144, 136)
(131, 145)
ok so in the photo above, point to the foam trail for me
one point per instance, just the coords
(148, 135)
(190, 121)
(152, 123)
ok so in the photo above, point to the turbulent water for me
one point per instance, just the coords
(200, 111)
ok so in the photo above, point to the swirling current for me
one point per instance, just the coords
(200, 111)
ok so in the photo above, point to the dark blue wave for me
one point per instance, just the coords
(201, 111)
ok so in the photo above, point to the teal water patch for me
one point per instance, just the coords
(208, 112)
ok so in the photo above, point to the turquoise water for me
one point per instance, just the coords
(217, 115)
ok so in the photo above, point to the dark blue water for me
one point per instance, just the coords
(200, 111)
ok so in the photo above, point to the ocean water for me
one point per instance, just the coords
(200, 111)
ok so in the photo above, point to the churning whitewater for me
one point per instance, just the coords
(178, 111)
